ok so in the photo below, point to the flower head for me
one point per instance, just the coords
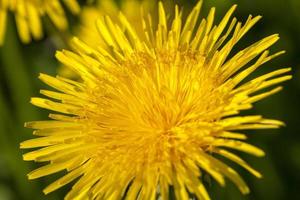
(28, 15)
(152, 111)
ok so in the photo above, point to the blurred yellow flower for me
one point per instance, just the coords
(87, 31)
(28, 15)
(132, 9)
(152, 113)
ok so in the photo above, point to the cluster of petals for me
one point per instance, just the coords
(152, 110)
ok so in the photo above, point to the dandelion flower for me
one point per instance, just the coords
(151, 114)
(28, 15)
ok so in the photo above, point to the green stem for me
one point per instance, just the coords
(13, 115)
(17, 76)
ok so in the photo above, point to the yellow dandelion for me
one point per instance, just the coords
(28, 15)
(151, 114)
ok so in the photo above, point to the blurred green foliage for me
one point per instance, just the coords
(20, 66)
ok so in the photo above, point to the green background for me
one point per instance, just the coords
(20, 65)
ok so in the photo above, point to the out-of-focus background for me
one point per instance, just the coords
(20, 65)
